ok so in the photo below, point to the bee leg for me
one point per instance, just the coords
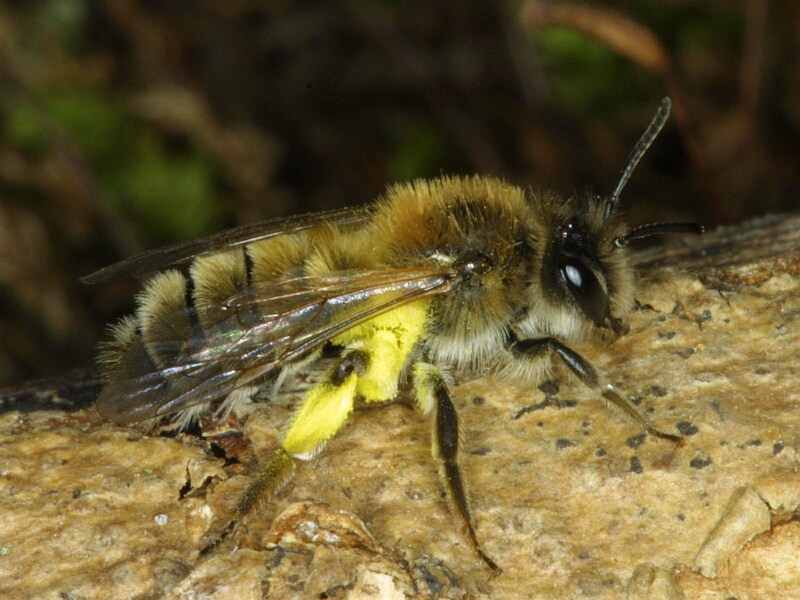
(616, 401)
(432, 395)
(586, 373)
(272, 476)
(322, 412)
(531, 348)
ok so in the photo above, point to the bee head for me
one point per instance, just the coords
(585, 265)
(585, 279)
(573, 271)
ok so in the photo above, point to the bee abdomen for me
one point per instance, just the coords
(214, 280)
(166, 319)
(198, 336)
(178, 313)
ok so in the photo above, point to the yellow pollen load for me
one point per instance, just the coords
(388, 340)
(325, 408)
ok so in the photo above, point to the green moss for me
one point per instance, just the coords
(420, 151)
(169, 193)
(22, 128)
(579, 68)
(95, 123)
(171, 196)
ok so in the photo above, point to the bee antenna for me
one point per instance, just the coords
(638, 151)
(644, 231)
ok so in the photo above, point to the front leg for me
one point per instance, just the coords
(433, 396)
(536, 347)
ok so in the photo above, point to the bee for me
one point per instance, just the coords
(447, 276)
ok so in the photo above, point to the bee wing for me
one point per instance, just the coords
(252, 335)
(160, 258)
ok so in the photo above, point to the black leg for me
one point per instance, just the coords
(628, 409)
(536, 347)
(580, 366)
(354, 361)
(445, 449)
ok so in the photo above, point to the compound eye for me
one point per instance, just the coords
(585, 288)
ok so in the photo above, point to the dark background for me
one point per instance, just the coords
(128, 124)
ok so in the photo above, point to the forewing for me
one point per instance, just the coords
(253, 334)
(175, 254)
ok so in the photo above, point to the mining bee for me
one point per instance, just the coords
(450, 275)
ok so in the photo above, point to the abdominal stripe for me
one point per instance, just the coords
(191, 308)
(248, 267)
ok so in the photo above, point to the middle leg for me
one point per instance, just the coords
(433, 396)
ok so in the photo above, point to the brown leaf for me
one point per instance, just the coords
(618, 32)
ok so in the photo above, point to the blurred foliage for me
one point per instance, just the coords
(126, 124)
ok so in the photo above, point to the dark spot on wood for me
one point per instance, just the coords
(684, 353)
(679, 311)
(333, 592)
(700, 462)
(686, 428)
(635, 441)
(750, 443)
